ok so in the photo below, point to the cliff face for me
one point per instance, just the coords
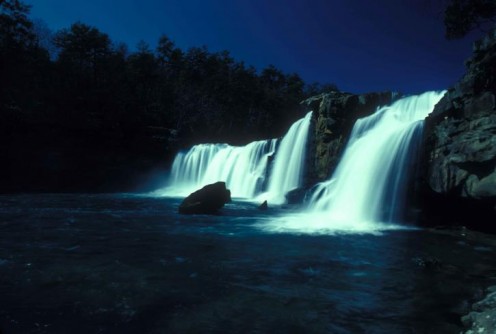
(334, 115)
(460, 146)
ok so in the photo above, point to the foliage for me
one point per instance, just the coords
(462, 16)
(77, 78)
(23, 63)
(15, 27)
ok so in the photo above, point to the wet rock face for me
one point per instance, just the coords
(334, 115)
(460, 134)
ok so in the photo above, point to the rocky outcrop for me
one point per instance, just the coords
(482, 318)
(460, 144)
(208, 200)
(296, 196)
(334, 115)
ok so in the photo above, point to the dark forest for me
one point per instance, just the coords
(73, 102)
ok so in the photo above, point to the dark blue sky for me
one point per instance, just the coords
(360, 45)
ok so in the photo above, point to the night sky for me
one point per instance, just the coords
(360, 45)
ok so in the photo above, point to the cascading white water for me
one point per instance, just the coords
(289, 163)
(368, 181)
(368, 185)
(189, 168)
(243, 168)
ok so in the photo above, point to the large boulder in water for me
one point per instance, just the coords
(207, 200)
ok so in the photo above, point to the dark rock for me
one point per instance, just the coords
(296, 196)
(428, 263)
(482, 319)
(459, 158)
(433, 265)
(334, 115)
(264, 206)
(207, 200)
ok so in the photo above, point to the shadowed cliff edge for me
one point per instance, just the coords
(334, 117)
(458, 181)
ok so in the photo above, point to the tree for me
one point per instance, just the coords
(463, 16)
(15, 27)
(165, 49)
(273, 78)
(23, 62)
(88, 76)
(84, 63)
(82, 45)
(143, 78)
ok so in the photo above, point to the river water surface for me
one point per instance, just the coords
(123, 263)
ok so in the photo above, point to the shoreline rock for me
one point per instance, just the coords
(482, 318)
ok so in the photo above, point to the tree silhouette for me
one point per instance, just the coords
(463, 16)
(97, 106)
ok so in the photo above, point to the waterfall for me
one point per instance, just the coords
(289, 163)
(244, 168)
(368, 184)
(366, 192)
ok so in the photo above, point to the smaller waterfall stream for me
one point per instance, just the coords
(244, 168)
(289, 164)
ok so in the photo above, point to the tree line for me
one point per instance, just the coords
(79, 112)
(79, 78)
